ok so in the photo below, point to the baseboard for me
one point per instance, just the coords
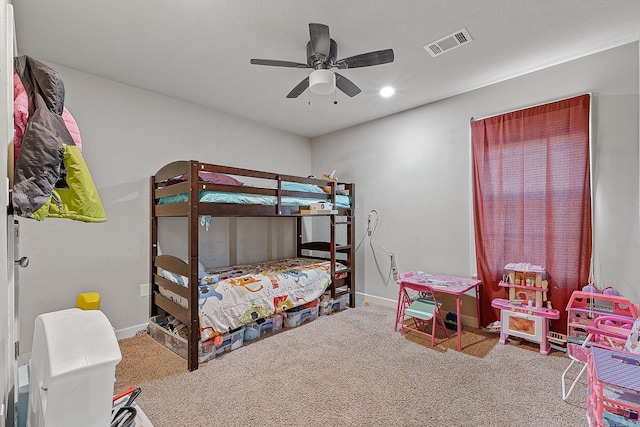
(131, 331)
(467, 320)
(388, 302)
(360, 298)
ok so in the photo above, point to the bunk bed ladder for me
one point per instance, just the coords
(349, 285)
(341, 228)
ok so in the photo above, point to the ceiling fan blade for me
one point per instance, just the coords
(275, 63)
(320, 40)
(346, 85)
(366, 59)
(301, 87)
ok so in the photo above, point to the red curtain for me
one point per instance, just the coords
(532, 199)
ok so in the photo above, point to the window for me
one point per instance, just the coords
(532, 198)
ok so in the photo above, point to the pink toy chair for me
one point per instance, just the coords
(422, 310)
(607, 331)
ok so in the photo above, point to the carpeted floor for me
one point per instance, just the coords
(144, 360)
(475, 342)
(351, 369)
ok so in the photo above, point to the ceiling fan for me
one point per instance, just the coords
(322, 52)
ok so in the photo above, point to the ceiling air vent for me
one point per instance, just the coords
(449, 42)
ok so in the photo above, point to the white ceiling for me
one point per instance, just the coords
(199, 50)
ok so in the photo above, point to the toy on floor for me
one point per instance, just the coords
(523, 315)
(585, 306)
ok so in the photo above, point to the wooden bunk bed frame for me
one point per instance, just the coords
(193, 208)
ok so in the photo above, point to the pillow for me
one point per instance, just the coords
(210, 177)
(175, 278)
(183, 280)
(219, 178)
(299, 186)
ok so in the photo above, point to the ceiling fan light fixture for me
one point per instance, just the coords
(322, 52)
(322, 82)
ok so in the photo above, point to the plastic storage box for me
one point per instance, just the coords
(231, 341)
(158, 330)
(271, 325)
(206, 350)
(340, 303)
(251, 331)
(328, 307)
(263, 327)
(296, 318)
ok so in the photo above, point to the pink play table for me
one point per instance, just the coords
(423, 282)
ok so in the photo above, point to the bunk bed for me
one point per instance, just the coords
(200, 191)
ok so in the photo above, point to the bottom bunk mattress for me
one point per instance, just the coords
(230, 297)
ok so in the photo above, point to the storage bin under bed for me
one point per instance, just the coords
(263, 327)
(333, 305)
(158, 329)
(296, 318)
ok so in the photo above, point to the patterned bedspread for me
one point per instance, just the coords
(245, 293)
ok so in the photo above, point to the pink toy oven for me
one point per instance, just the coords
(526, 322)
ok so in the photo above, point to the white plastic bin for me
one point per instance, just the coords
(72, 369)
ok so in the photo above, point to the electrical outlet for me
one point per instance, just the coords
(144, 290)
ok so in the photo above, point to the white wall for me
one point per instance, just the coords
(414, 169)
(128, 134)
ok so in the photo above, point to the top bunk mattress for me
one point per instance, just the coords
(220, 185)
(253, 199)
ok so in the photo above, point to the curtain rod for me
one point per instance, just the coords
(531, 106)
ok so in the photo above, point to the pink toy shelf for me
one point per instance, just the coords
(584, 307)
(523, 314)
(525, 283)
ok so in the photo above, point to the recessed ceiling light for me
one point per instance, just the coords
(387, 91)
